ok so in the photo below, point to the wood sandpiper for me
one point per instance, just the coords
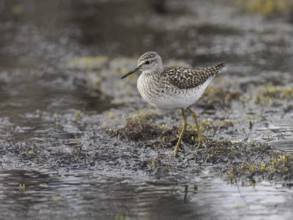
(171, 88)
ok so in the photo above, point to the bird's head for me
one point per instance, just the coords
(149, 62)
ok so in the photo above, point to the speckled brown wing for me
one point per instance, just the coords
(187, 78)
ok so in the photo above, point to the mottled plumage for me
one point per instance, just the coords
(187, 78)
(173, 88)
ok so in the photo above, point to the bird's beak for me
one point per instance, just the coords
(133, 71)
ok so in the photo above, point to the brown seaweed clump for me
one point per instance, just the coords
(139, 128)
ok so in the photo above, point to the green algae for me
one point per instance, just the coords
(270, 95)
(266, 7)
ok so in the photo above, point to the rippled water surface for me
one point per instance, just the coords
(35, 195)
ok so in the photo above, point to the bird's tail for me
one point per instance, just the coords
(218, 67)
(212, 70)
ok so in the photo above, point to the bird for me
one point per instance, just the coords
(172, 88)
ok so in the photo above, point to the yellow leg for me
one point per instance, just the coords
(199, 131)
(181, 134)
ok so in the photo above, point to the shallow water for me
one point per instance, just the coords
(60, 65)
(88, 195)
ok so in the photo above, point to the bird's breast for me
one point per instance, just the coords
(148, 88)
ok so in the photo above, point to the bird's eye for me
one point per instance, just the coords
(147, 62)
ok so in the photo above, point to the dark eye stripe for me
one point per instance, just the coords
(150, 61)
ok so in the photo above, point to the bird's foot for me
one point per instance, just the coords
(201, 143)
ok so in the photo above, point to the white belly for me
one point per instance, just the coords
(169, 100)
